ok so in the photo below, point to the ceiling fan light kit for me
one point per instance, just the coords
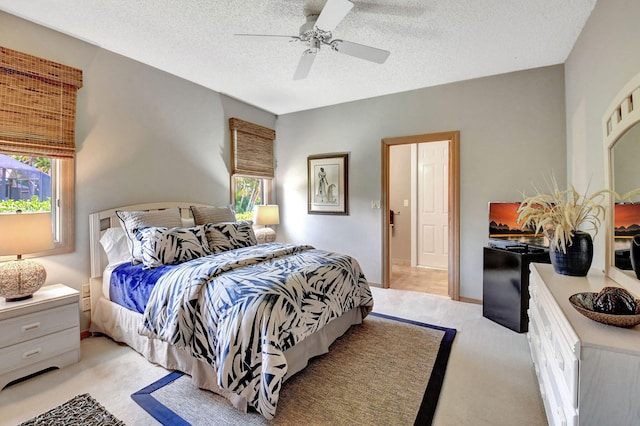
(318, 31)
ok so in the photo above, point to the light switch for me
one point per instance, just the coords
(406, 203)
(375, 204)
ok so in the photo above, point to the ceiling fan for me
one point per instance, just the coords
(317, 31)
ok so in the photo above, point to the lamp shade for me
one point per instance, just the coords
(22, 233)
(266, 215)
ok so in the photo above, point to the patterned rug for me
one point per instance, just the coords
(386, 371)
(79, 410)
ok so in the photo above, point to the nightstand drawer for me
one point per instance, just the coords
(39, 349)
(27, 327)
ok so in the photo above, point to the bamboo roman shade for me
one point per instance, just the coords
(37, 105)
(251, 149)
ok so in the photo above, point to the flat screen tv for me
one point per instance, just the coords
(504, 229)
(626, 218)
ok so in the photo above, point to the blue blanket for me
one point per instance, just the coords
(131, 285)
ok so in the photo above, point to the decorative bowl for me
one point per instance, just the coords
(583, 303)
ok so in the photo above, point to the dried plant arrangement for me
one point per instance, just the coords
(560, 213)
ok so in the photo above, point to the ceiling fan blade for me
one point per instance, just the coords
(333, 13)
(360, 51)
(304, 66)
(263, 36)
(400, 10)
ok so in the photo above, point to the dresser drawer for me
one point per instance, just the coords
(31, 326)
(557, 346)
(559, 413)
(565, 367)
(41, 348)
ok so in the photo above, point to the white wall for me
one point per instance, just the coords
(604, 58)
(512, 132)
(142, 135)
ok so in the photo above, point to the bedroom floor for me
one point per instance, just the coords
(489, 381)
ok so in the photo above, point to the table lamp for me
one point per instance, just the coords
(266, 215)
(23, 233)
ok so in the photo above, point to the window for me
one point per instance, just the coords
(252, 166)
(40, 184)
(249, 192)
(37, 140)
(30, 183)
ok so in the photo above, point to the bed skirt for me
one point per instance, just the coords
(122, 326)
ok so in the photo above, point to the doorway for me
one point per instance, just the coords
(422, 224)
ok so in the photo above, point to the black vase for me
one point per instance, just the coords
(635, 255)
(577, 259)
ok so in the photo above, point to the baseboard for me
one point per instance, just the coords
(470, 300)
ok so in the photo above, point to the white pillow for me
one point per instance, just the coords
(168, 246)
(134, 220)
(115, 243)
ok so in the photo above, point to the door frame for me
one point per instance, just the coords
(453, 137)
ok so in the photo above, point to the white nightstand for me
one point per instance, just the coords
(39, 333)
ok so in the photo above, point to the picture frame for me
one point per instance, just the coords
(328, 184)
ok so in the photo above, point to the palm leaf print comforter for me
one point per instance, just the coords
(241, 309)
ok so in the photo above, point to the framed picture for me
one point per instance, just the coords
(328, 183)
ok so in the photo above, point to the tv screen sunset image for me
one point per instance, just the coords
(503, 219)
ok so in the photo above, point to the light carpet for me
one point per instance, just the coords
(385, 371)
(81, 410)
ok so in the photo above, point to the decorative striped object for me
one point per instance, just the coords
(81, 410)
(169, 246)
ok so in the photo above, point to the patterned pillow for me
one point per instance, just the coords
(168, 246)
(225, 236)
(134, 220)
(204, 215)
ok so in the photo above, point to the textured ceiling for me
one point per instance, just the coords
(431, 42)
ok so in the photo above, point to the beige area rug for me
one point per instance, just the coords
(386, 371)
(81, 410)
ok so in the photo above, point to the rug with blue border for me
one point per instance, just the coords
(387, 370)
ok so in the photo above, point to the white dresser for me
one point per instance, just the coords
(39, 332)
(589, 373)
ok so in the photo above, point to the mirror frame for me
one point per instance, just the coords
(622, 114)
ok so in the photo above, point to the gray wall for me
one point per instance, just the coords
(605, 57)
(136, 123)
(142, 135)
(512, 132)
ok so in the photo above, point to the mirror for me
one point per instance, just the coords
(625, 172)
(621, 125)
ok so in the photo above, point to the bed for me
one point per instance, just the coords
(191, 290)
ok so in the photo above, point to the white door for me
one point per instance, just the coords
(433, 204)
